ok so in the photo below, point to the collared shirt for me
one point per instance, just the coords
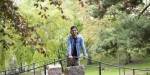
(79, 45)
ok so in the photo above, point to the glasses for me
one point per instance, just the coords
(73, 30)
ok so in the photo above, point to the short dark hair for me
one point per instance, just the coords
(73, 27)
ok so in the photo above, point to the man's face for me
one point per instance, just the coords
(74, 32)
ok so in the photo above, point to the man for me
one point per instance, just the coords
(74, 43)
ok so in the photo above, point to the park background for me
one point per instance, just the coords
(115, 31)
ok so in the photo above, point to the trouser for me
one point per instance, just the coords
(73, 61)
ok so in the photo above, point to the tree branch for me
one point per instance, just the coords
(143, 10)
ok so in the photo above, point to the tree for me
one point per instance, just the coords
(101, 6)
(130, 36)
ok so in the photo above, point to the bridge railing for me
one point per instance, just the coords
(122, 70)
(36, 69)
(32, 69)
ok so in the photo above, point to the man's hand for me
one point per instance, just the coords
(70, 57)
(85, 56)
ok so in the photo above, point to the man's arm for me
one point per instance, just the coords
(69, 47)
(83, 47)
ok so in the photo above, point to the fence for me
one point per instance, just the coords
(36, 69)
(31, 68)
(121, 69)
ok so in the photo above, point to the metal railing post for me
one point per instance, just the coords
(54, 61)
(44, 69)
(133, 71)
(33, 68)
(124, 71)
(15, 71)
(5, 72)
(62, 68)
(100, 69)
(119, 70)
(21, 68)
(146, 73)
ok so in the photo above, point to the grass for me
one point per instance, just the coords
(93, 69)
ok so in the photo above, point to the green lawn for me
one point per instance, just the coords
(93, 69)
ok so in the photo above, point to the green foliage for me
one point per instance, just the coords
(52, 32)
(93, 11)
(98, 8)
(24, 54)
(11, 46)
(37, 31)
(107, 3)
(79, 25)
(130, 35)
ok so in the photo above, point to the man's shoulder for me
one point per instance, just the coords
(69, 37)
(80, 36)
